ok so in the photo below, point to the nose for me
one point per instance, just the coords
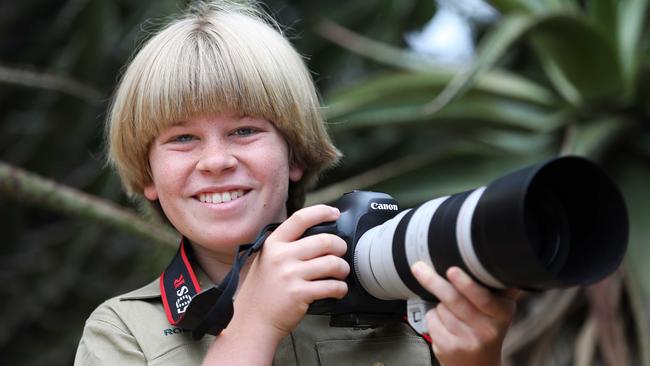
(216, 158)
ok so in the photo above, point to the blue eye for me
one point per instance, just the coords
(244, 131)
(183, 138)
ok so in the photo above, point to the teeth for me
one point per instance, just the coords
(220, 197)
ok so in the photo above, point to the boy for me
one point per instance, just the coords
(216, 121)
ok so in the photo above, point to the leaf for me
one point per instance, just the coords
(534, 6)
(595, 137)
(382, 173)
(604, 16)
(486, 111)
(492, 47)
(631, 18)
(378, 51)
(442, 169)
(633, 177)
(510, 141)
(622, 22)
(507, 84)
(512, 6)
(386, 87)
(472, 110)
(469, 167)
(579, 61)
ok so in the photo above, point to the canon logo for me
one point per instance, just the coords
(384, 206)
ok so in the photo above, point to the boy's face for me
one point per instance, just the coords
(221, 179)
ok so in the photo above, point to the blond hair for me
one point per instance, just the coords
(218, 57)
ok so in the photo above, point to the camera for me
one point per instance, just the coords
(555, 224)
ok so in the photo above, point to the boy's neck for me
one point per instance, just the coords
(217, 265)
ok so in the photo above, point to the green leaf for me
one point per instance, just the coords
(386, 171)
(513, 6)
(633, 177)
(604, 16)
(492, 47)
(443, 168)
(520, 143)
(507, 84)
(486, 111)
(387, 87)
(374, 50)
(472, 110)
(622, 23)
(465, 169)
(595, 137)
(384, 87)
(579, 61)
(631, 18)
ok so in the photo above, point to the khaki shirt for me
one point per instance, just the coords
(132, 329)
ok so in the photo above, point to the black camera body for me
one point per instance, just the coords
(360, 211)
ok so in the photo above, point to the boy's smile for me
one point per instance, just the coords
(217, 197)
(221, 179)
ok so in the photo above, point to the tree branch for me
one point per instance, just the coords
(53, 82)
(46, 193)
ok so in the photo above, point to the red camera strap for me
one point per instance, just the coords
(208, 311)
(178, 284)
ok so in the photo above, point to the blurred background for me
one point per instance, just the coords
(425, 98)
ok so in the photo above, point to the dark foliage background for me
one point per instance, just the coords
(551, 77)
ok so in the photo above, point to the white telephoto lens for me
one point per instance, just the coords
(417, 233)
(375, 265)
(362, 265)
(465, 243)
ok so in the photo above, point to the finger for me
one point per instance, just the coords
(329, 266)
(301, 220)
(323, 289)
(454, 325)
(444, 291)
(481, 333)
(440, 335)
(495, 305)
(319, 245)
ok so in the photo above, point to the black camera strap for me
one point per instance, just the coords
(178, 284)
(207, 311)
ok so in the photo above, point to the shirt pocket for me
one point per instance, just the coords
(374, 352)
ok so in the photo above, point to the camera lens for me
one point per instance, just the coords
(556, 224)
(547, 229)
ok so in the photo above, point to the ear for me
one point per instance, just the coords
(295, 172)
(150, 192)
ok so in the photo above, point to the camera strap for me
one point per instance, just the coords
(207, 311)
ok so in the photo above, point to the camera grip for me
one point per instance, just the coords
(329, 227)
(322, 306)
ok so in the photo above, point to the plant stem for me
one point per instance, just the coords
(46, 193)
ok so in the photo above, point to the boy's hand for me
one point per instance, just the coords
(291, 272)
(469, 324)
